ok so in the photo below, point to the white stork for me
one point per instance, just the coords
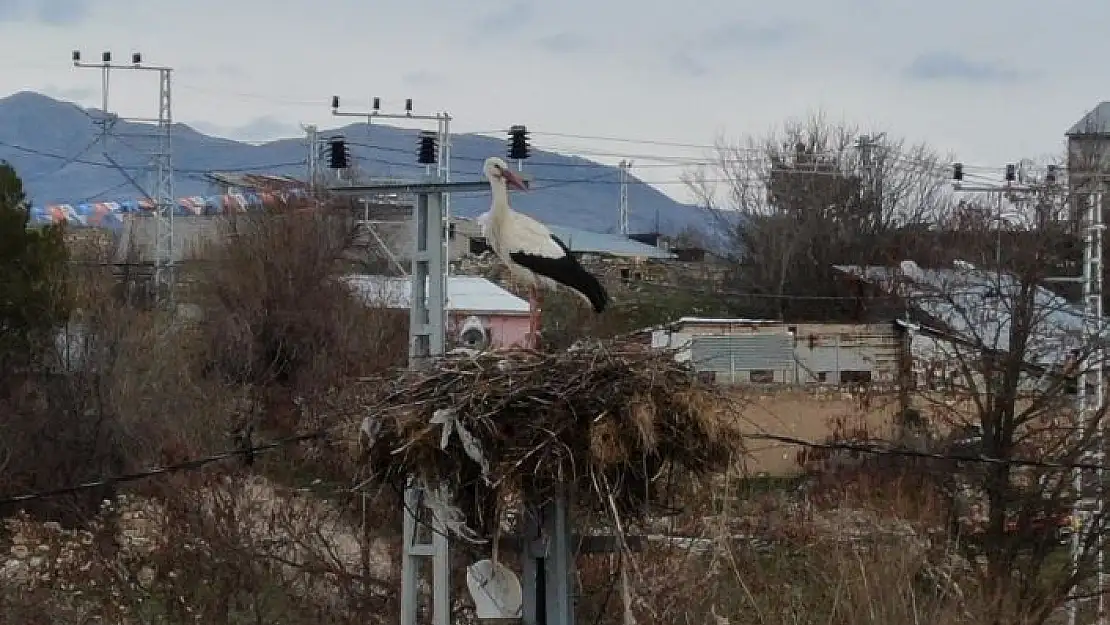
(534, 255)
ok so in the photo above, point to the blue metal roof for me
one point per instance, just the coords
(588, 242)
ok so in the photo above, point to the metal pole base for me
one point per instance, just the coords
(547, 565)
(412, 550)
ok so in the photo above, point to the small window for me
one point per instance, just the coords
(707, 377)
(625, 273)
(821, 376)
(855, 377)
(761, 376)
(479, 247)
(637, 276)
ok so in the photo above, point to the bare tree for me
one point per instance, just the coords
(999, 359)
(812, 195)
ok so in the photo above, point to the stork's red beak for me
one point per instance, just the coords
(514, 180)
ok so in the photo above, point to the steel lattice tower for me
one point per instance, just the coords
(161, 193)
(1090, 503)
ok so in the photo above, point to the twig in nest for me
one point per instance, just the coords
(618, 412)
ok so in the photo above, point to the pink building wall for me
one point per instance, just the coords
(506, 330)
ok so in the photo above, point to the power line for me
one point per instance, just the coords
(726, 147)
(188, 465)
(609, 176)
(911, 453)
(73, 159)
(106, 191)
(67, 162)
(197, 463)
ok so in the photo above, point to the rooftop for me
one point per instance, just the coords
(468, 294)
(261, 182)
(974, 304)
(1096, 122)
(586, 242)
(708, 321)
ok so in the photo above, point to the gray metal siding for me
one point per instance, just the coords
(774, 352)
(838, 349)
(839, 359)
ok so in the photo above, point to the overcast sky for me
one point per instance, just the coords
(990, 82)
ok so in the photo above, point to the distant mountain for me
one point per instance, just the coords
(53, 145)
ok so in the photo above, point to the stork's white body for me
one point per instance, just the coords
(533, 255)
(529, 234)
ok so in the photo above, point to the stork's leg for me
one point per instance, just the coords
(539, 319)
(533, 317)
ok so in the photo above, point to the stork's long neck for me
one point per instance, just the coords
(500, 192)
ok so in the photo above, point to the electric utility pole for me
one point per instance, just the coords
(439, 170)
(427, 329)
(622, 212)
(1088, 493)
(312, 139)
(161, 195)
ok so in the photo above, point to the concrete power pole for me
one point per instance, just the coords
(161, 194)
(312, 138)
(622, 212)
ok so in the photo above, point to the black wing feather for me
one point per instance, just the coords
(565, 270)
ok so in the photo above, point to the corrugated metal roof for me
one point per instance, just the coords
(254, 181)
(586, 242)
(598, 243)
(1096, 122)
(464, 294)
(722, 321)
(755, 352)
(671, 325)
(974, 304)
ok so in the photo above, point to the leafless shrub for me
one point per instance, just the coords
(277, 317)
(117, 394)
(220, 550)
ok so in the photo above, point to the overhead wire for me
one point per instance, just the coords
(65, 163)
(252, 450)
(642, 141)
(71, 159)
(188, 465)
(608, 176)
(727, 158)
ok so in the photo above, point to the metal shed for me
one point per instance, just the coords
(758, 358)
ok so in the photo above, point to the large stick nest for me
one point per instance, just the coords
(602, 422)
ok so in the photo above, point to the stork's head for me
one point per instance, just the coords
(497, 170)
